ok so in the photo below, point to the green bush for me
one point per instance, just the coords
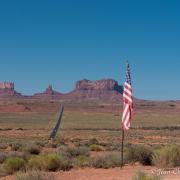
(73, 152)
(36, 162)
(139, 153)
(95, 147)
(23, 155)
(82, 161)
(54, 162)
(139, 175)
(50, 162)
(34, 175)
(4, 156)
(13, 164)
(168, 156)
(106, 161)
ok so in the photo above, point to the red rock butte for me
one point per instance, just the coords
(85, 90)
(7, 90)
(7, 85)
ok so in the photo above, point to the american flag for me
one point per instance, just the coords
(128, 101)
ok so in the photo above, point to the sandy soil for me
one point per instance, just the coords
(126, 173)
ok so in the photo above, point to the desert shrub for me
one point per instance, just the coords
(33, 149)
(34, 175)
(54, 162)
(17, 146)
(22, 155)
(3, 157)
(64, 162)
(140, 175)
(36, 162)
(139, 153)
(82, 161)
(51, 162)
(13, 164)
(168, 156)
(73, 152)
(106, 161)
(95, 147)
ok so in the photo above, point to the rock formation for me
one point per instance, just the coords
(7, 90)
(105, 90)
(7, 86)
(101, 85)
(49, 93)
(101, 90)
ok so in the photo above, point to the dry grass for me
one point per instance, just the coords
(151, 125)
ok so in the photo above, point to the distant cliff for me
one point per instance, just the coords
(106, 90)
(85, 90)
(99, 85)
(7, 90)
(49, 93)
(7, 86)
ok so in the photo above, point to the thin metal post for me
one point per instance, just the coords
(122, 149)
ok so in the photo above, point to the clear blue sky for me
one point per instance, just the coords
(58, 42)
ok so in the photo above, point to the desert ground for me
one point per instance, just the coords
(126, 172)
(154, 124)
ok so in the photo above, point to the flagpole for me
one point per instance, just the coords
(122, 148)
(127, 109)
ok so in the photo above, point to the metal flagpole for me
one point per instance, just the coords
(122, 148)
(127, 109)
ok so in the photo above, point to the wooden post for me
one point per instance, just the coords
(122, 149)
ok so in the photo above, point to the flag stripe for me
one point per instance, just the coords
(128, 101)
(127, 97)
(127, 85)
(128, 92)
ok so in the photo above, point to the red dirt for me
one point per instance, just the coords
(126, 173)
(109, 174)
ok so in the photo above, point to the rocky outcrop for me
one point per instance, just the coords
(100, 90)
(7, 90)
(100, 85)
(49, 90)
(7, 86)
(105, 90)
(49, 93)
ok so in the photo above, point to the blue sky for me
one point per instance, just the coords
(59, 42)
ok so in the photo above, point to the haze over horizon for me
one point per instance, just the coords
(44, 42)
